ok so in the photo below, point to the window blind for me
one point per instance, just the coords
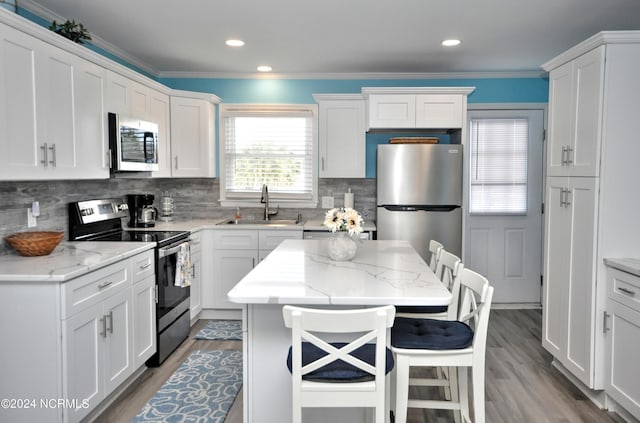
(498, 160)
(268, 145)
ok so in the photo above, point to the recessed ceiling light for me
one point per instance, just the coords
(264, 68)
(234, 43)
(450, 43)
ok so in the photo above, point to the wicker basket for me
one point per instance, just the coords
(35, 243)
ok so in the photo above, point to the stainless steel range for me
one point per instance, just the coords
(101, 220)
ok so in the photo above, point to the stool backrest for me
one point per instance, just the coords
(434, 248)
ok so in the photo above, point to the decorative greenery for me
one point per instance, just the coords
(70, 29)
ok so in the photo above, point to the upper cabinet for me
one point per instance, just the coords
(51, 112)
(417, 107)
(342, 135)
(575, 115)
(193, 134)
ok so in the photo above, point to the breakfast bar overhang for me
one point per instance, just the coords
(300, 272)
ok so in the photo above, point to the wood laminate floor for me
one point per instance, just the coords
(522, 386)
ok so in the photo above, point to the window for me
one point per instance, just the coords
(268, 144)
(498, 160)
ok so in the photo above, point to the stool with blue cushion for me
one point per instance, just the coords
(457, 343)
(348, 372)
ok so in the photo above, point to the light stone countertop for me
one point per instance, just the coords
(301, 272)
(69, 260)
(200, 224)
(629, 265)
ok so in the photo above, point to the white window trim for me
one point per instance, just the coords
(255, 202)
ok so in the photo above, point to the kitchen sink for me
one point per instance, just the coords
(271, 222)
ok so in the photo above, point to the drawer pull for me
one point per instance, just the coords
(627, 291)
(104, 284)
(145, 266)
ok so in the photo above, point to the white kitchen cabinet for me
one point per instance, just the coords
(235, 253)
(622, 328)
(417, 107)
(196, 275)
(118, 94)
(590, 211)
(342, 135)
(159, 113)
(570, 289)
(192, 136)
(144, 315)
(75, 340)
(51, 112)
(575, 105)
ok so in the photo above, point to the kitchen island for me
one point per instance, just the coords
(300, 272)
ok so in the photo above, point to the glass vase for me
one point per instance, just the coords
(342, 247)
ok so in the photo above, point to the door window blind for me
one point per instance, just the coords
(268, 145)
(498, 160)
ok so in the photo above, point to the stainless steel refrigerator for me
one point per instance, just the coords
(419, 195)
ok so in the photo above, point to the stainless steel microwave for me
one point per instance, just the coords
(133, 144)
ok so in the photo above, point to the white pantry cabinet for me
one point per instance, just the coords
(417, 107)
(341, 135)
(77, 340)
(193, 134)
(590, 209)
(622, 328)
(575, 101)
(51, 112)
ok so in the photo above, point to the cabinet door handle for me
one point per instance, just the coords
(53, 155)
(110, 321)
(45, 153)
(567, 203)
(145, 266)
(606, 316)
(562, 192)
(104, 284)
(176, 160)
(627, 291)
(322, 163)
(193, 270)
(103, 320)
(155, 294)
(569, 151)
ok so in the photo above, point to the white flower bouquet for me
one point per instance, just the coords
(343, 219)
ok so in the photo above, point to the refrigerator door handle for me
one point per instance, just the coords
(439, 208)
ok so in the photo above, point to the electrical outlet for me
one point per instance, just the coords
(327, 202)
(32, 221)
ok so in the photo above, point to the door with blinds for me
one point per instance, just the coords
(503, 222)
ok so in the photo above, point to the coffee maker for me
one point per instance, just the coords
(142, 214)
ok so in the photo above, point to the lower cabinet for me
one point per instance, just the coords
(622, 326)
(235, 253)
(196, 275)
(75, 341)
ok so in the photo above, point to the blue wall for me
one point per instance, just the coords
(300, 91)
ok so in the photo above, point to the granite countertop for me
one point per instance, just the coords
(301, 272)
(629, 265)
(68, 261)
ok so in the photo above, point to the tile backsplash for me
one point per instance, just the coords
(194, 198)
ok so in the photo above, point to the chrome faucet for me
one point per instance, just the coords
(265, 199)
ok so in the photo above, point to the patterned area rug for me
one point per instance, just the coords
(202, 390)
(221, 330)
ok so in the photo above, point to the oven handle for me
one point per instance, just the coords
(167, 251)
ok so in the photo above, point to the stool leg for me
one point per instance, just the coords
(452, 373)
(463, 384)
(402, 388)
(478, 392)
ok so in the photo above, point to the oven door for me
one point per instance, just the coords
(172, 300)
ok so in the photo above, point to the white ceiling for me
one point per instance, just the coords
(304, 38)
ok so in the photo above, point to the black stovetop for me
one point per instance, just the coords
(162, 238)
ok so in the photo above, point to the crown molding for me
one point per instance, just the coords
(601, 38)
(355, 75)
(96, 41)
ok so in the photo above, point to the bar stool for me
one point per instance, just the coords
(338, 374)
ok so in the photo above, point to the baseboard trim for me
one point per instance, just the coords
(220, 314)
(516, 306)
